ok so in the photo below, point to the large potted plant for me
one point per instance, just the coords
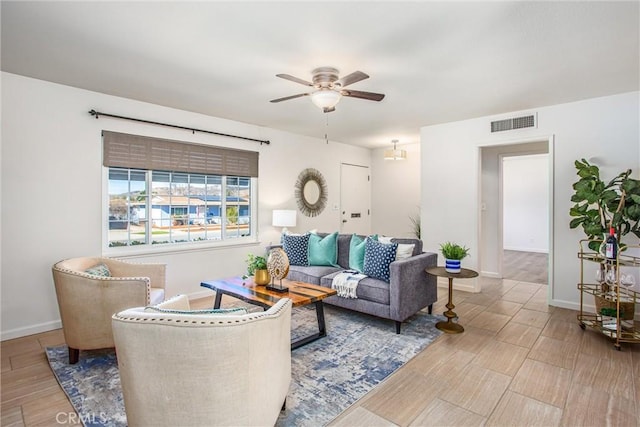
(599, 205)
(257, 267)
(453, 255)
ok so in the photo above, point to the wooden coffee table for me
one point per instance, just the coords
(300, 294)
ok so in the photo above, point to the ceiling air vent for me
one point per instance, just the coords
(514, 123)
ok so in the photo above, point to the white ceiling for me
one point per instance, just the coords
(435, 61)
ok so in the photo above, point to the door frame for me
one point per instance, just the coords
(550, 139)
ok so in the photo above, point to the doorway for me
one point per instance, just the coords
(524, 182)
(493, 260)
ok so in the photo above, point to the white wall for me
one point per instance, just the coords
(52, 189)
(606, 128)
(395, 191)
(525, 195)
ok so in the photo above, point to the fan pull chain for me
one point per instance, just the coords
(326, 132)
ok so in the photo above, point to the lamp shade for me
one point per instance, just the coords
(325, 98)
(395, 154)
(284, 218)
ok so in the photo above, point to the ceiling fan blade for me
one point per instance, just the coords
(363, 95)
(294, 79)
(328, 110)
(352, 78)
(286, 98)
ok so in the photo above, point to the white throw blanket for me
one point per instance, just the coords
(346, 283)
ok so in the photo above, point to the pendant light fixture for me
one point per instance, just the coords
(395, 154)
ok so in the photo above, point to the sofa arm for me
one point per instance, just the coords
(411, 289)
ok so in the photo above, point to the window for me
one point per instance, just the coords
(157, 207)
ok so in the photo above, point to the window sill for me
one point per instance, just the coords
(168, 249)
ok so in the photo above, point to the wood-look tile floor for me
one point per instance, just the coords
(518, 363)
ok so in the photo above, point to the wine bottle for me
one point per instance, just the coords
(611, 248)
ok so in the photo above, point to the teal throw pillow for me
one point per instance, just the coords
(99, 270)
(297, 248)
(356, 252)
(377, 258)
(323, 250)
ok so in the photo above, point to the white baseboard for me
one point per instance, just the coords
(30, 330)
(491, 274)
(589, 308)
(520, 249)
(201, 294)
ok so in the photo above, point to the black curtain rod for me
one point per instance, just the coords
(98, 113)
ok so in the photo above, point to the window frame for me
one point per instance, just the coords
(150, 248)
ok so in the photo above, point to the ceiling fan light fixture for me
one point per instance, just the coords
(325, 98)
(395, 154)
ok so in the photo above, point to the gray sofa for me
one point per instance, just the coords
(410, 289)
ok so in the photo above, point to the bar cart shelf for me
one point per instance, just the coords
(615, 303)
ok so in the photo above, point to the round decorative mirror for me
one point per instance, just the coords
(311, 192)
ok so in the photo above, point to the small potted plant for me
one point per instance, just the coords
(257, 267)
(453, 254)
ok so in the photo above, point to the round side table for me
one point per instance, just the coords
(449, 326)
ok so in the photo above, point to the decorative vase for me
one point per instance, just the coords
(261, 277)
(452, 265)
(278, 264)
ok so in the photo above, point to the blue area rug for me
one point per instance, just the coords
(328, 375)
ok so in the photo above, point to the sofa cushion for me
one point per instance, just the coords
(377, 257)
(323, 250)
(297, 248)
(369, 289)
(310, 274)
(356, 252)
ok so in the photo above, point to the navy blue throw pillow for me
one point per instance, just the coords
(377, 257)
(297, 248)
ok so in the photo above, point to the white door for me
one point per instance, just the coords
(355, 199)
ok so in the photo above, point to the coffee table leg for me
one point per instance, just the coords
(218, 300)
(322, 329)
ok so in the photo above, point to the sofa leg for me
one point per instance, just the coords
(284, 405)
(398, 324)
(430, 309)
(74, 355)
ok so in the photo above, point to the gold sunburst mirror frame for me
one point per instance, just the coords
(311, 192)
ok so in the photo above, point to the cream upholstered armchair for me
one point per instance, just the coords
(88, 299)
(202, 368)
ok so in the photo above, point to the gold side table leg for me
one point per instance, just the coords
(448, 326)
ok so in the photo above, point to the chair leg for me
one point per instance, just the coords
(284, 405)
(398, 324)
(74, 355)
(430, 309)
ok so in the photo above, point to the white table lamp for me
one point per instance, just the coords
(284, 219)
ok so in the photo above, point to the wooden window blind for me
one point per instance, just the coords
(143, 152)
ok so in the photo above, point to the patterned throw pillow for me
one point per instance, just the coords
(99, 270)
(356, 252)
(297, 248)
(323, 250)
(405, 250)
(222, 311)
(377, 257)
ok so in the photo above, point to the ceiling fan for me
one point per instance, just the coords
(329, 88)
